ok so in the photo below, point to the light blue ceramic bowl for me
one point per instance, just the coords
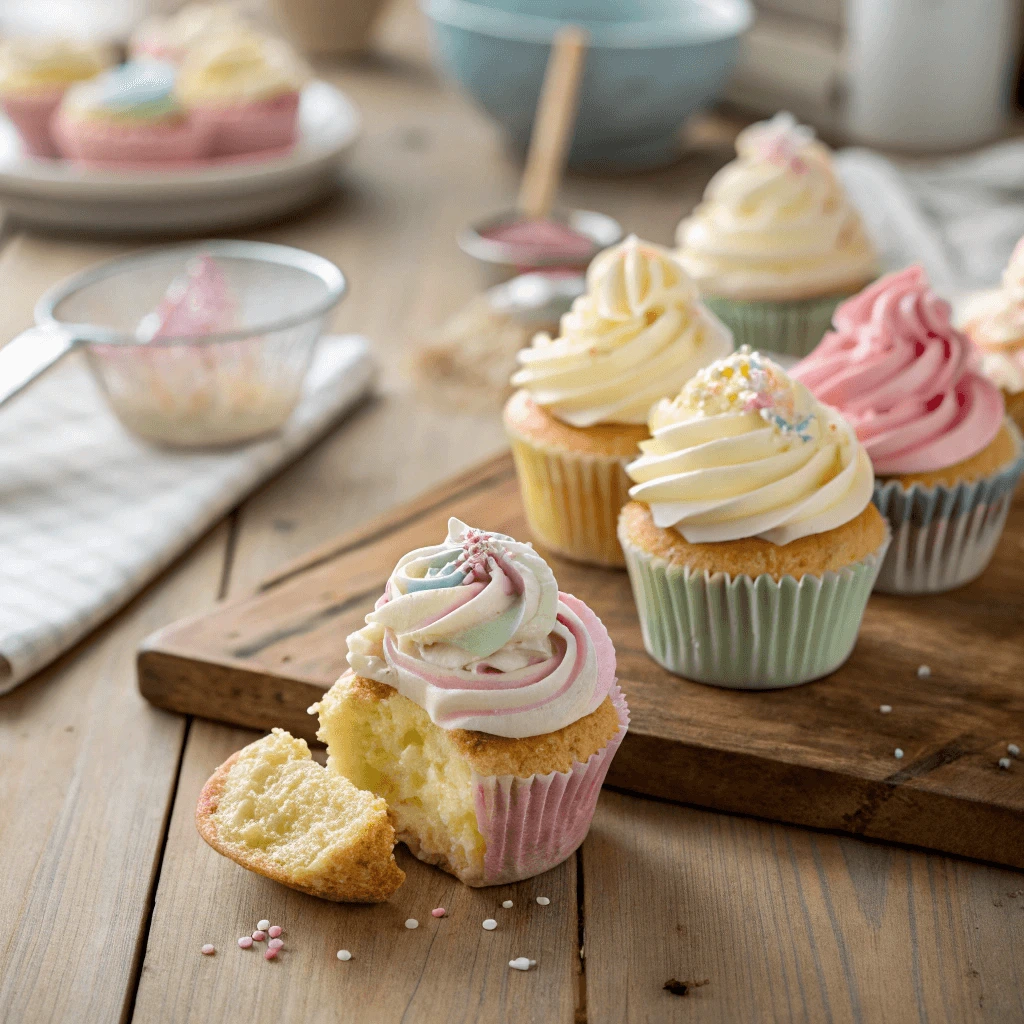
(651, 64)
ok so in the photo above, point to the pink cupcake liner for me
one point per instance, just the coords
(32, 115)
(531, 825)
(166, 143)
(244, 128)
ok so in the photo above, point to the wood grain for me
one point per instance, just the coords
(790, 926)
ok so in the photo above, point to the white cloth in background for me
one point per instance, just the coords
(959, 217)
(89, 514)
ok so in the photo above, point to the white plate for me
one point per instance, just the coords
(220, 194)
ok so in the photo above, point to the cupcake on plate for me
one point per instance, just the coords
(775, 245)
(169, 38)
(130, 116)
(994, 321)
(243, 88)
(751, 541)
(637, 335)
(482, 706)
(946, 456)
(34, 75)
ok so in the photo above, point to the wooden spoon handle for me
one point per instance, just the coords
(553, 124)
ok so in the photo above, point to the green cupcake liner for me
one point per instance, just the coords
(792, 327)
(744, 633)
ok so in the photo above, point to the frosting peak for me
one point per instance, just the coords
(775, 223)
(899, 371)
(476, 632)
(636, 335)
(745, 451)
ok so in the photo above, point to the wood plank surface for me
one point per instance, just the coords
(819, 755)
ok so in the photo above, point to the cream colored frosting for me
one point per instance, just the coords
(745, 451)
(240, 67)
(44, 65)
(776, 223)
(169, 38)
(636, 335)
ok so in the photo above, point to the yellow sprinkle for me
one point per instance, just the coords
(726, 372)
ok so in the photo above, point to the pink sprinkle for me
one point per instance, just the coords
(258, 936)
(275, 931)
(275, 943)
(245, 942)
(270, 954)
(208, 949)
(439, 912)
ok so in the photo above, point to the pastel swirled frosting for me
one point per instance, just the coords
(904, 377)
(636, 335)
(240, 67)
(744, 451)
(139, 91)
(475, 631)
(29, 66)
(776, 223)
(169, 38)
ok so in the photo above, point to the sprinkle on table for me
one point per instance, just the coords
(438, 912)
(263, 925)
(923, 671)
(412, 923)
(275, 943)
(507, 904)
(1013, 750)
(209, 949)
(1004, 762)
(344, 954)
(543, 900)
(521, 963)
(885, 708)
(270, 954)
(898, 753)
(490, 924)
(258, 935)
(274, 931)
(245, 942)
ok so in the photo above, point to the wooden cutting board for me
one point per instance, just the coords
(820, 755)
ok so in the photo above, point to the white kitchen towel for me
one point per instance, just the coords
(959, 217)
(89, 514)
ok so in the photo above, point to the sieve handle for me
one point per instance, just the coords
(29, 355)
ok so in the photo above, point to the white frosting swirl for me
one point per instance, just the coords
(475, 631)
(744, 451)
(775, 223)
(638, 334)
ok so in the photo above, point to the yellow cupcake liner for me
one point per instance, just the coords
(572, 500)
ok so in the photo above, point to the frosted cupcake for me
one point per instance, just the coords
(482, 706)
(129, 115)
(751, 541)
(775, 245)
(994, 321)
(34, 75)
(637, 335)
(243, 88)
(946, 457)
(169, 38)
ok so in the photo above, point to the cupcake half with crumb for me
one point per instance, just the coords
(637, 335)
(946, 456)
(482, 706)
(751, 541)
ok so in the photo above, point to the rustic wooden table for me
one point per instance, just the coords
(107, 892)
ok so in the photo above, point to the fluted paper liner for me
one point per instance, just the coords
(531, 825)
(944, 537)
(749, 633)
(572, 500)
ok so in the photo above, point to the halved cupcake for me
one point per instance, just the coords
(751, 541)
(637, 335)
(775, 245)
(946, 456)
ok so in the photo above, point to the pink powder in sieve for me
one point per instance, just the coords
(542, 241)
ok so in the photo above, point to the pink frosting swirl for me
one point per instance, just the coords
(904, 377)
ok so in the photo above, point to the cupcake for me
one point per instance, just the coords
(34, 75)
(169, 38)
(243, 88)
(946, 456)
(482, 707)
(751, 541)
(637, 335)
(994, 321)
(775, 245)
(128, 115)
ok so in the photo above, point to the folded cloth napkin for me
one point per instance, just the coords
(89, 514)
(959, 217)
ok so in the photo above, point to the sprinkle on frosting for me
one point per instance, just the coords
(904, 377)
(745, 451)
(780, 141)
(636, 335)
(476, 632)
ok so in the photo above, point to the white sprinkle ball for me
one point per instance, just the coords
(898, 753)
(1013, 750)
(490, 924)
(344, 954)
(1004, 762)
(263, 925)
(209, 949)
(507, 904)
(245, 942)
(412, 923)
(923, 671)
(543, 900)
(521, 963)
(885, 708)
